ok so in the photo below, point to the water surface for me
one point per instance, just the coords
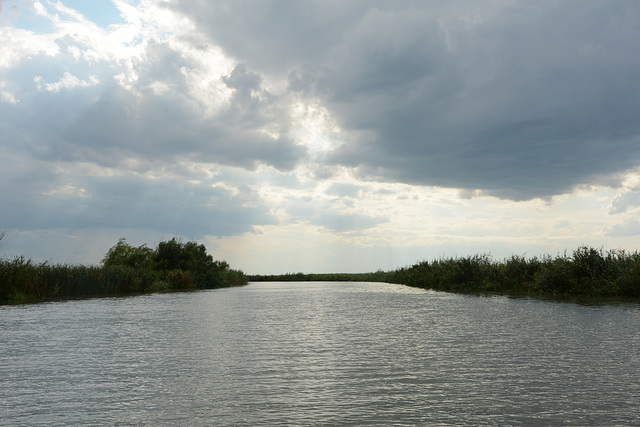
(319, 354)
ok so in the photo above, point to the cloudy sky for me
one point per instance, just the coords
(319, 136)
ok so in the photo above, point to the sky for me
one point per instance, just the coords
(319, 136)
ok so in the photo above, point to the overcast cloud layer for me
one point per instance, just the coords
(225, 120)
(519, 99)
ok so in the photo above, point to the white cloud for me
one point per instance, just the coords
(17, 45)
(8, 97)
(628, 227)
(628, 196)
(624, 202)
(67, 81)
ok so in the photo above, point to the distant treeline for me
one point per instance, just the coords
(125, 269)
(587, 272)
(378, 276)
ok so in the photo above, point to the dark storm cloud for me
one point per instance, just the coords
(519, 99)
(168, 127)
(133, 202)
(158, 119)
(273, 36)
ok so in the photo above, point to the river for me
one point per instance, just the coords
(319, 353)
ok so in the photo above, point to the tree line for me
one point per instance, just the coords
(377, 276)
(125, 269)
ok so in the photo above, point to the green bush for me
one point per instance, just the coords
(125, 269)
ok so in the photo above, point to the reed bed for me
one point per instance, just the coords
(587, 272)
(22, 280)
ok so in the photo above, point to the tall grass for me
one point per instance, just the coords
(588, 272)
(23, 280)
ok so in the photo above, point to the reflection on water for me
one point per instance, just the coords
(319, 354)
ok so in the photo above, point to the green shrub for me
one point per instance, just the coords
(125, 269)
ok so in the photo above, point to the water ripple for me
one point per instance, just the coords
(319, 354)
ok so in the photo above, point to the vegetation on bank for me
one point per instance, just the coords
(175, 265)
(125, 269)
(378, 276)
(588, 272)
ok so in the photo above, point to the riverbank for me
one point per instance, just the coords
(378, 276)
(125, 269)
(22, 280)
(588, 272)
(176, 266)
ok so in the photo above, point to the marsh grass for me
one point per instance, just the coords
(587, 272)
(22, 280)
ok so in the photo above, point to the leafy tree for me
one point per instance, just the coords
(170, 256)
(123, 254)
(193, 258)
(175, 255)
